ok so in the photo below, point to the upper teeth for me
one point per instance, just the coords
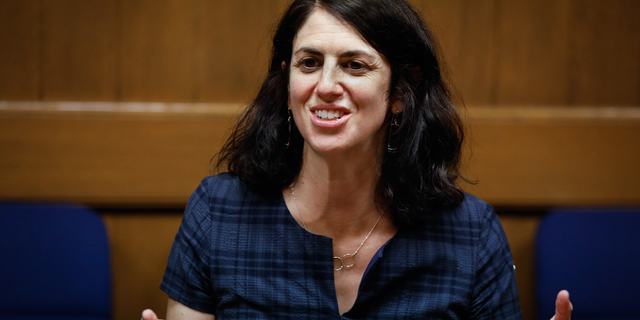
(329, 114)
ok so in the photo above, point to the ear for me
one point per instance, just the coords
(284, 67)
(397, 107)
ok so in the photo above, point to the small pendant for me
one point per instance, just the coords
(349, 258)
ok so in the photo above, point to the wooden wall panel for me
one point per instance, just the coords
(538, 157)
(104, 158)
(532, 57)
(465, 31)
(552, 162)
(140, 243)
(79, 50)
(19, 50)
(521, 232)
(606, 46)
(446, 21)
(232, 48)
(522, 52)
(158, 42)
(474, 67)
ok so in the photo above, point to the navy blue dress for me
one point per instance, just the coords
(241, 255)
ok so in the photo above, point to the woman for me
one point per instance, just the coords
(341, 196)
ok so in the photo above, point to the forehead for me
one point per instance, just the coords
(322, 29)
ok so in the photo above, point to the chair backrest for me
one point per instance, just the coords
(54, 263)
(595, 254)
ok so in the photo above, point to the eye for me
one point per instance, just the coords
(308, 64)
(356, 67)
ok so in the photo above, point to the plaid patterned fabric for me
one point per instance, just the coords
(240, 255)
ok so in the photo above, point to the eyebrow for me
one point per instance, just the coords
(348, 54)
(309, 51)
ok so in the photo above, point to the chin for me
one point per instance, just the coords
(327, 147)
(322, 149)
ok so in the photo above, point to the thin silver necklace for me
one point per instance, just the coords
(346, 257)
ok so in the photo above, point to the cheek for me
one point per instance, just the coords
(299, 89)
(372, 96)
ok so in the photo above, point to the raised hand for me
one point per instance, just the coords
(563, 306)
(148, 314)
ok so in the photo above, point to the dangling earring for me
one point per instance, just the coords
(289, 120)
(392, 126)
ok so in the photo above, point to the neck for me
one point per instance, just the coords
(336, 195)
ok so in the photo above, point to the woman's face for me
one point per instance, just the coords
(338, 87)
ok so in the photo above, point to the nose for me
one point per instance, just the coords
(329, 86)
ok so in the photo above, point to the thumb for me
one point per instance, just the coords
(563, 306)
(148, 314)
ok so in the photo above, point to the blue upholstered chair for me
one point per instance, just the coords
(54, 263)
(595, 254)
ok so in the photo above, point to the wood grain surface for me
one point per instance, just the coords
(517, 52)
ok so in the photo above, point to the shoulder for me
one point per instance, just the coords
(223, 185)
(471, 211)
(478, 222)
(473, 208)
(226, 192)
(464, 223)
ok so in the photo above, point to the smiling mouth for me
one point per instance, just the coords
(329, 114)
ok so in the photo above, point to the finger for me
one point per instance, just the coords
(563, 306)
(148, 314)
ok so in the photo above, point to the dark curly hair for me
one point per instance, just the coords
(420, 178)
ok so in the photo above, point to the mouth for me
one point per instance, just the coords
(329, 114)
